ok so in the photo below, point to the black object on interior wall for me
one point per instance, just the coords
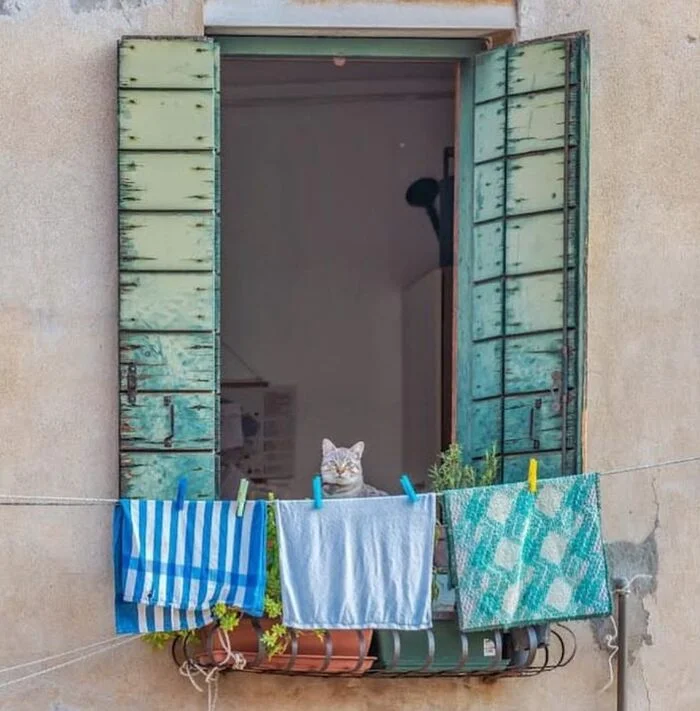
(424, 192)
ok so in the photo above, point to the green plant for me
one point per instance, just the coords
(228, 618)
(277, 638)
(491, 469)
(450, 471)
(158, 640)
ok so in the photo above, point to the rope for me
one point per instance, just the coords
(627, 587)
(29, 500)
(611, 643)
(191, 669)
(612, 639)
(24, 665)
(63, 665)
(658, 465)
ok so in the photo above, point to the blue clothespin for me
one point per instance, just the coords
(240, 499)
(181, 492)
(318, 492)
(408, 488)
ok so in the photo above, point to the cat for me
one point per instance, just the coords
(341, 472)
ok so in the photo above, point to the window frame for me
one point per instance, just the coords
(462, 52)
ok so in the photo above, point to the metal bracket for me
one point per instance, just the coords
(535, 411)
(168, 440)
(131, 383)
(557, 394)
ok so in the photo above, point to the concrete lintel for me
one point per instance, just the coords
(400, 18)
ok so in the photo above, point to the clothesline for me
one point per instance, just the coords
(31, 500)
(104, 646)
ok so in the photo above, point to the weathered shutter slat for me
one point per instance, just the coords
(162, 301)
(168, 422)
(167, 180)
(168, 262)
(154, 476)
(166, 241)
(166, 120)
(161, 362)
(519, 278)
(530, 362)
(168, 63)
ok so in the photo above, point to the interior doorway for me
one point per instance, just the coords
(335, 273)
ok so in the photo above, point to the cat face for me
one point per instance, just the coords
(341, 466)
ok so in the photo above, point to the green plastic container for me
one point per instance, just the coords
(483, 651)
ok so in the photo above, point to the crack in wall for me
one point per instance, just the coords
(626, 560)
(646, 684)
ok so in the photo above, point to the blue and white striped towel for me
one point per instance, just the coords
(171, 567)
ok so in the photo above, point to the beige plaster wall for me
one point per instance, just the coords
(58, 358)
(644, 334)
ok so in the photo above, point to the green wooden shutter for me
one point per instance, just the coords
(168, 266)
(522, 186)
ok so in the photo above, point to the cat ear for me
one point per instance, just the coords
(327, 447)
(358, 449)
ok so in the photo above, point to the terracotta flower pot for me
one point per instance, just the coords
(310, 654)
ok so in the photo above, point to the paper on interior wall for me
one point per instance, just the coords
(279, 432)
(258, 433)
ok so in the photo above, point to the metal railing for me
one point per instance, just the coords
(522, 653)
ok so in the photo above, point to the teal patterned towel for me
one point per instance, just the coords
(520, 558)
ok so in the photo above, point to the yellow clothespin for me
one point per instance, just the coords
(532, 476)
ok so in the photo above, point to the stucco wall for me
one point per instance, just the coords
(644, 335)
(58, 354)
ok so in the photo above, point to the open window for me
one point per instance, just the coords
(331, 280)
(331, 299)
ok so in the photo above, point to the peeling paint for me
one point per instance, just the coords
(80, 6)
(10, 7)
(626, 560)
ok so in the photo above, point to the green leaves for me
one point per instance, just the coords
(277, 637)
(227, 617)
(158, 640)
(450, 472)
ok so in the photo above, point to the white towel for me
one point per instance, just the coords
(357, 563)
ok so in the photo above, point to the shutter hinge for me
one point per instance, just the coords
(557, 394)
(131, 383)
